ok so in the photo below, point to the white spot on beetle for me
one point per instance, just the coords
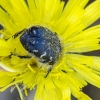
(35, 50)
(33, 42)
(51, 58)
(44, 54)
(34, 31)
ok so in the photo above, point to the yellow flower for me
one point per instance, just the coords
(66, 29)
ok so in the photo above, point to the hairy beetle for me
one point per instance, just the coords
(42, 43)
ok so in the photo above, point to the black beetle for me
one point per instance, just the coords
(41, 42)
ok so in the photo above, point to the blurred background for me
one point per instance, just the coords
(90, 90)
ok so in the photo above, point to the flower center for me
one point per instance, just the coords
(42, 43)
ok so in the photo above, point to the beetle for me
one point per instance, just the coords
(41, 43)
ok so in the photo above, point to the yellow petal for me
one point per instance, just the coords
(92, 13)
(84, 71)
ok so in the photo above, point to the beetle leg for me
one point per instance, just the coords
(49, 70)
(22, 57)
(17, 34)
